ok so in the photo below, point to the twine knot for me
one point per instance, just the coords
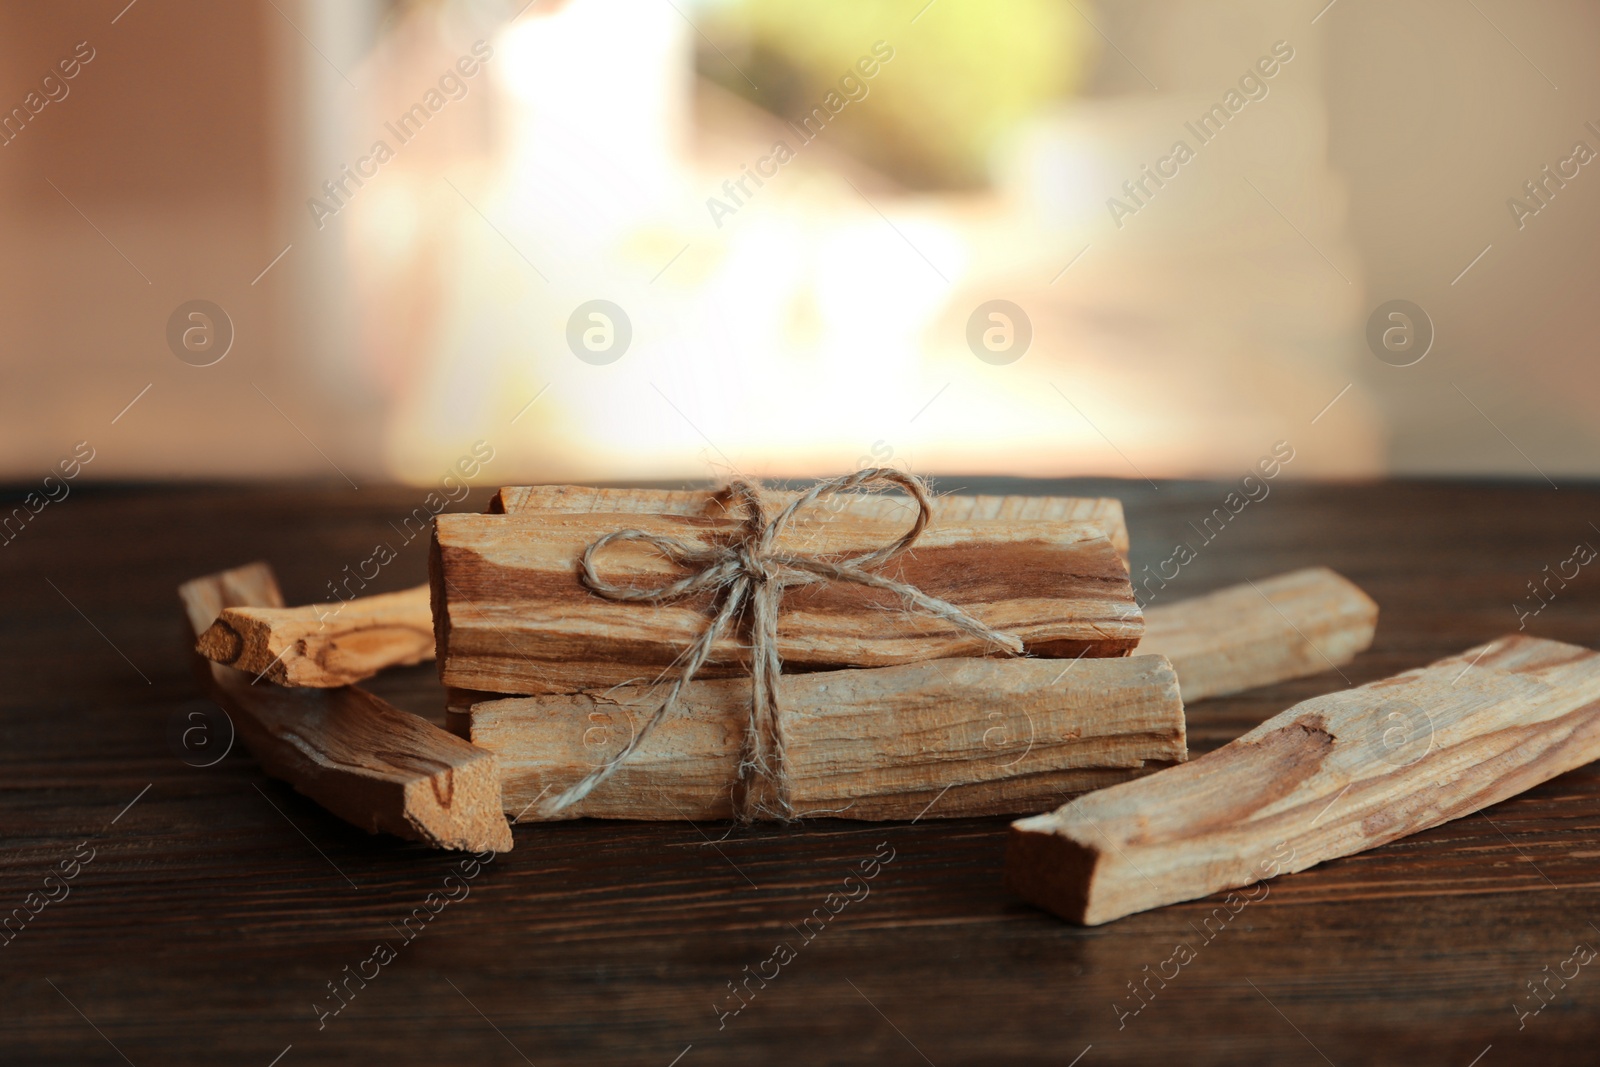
(755, 568)
(747, 579)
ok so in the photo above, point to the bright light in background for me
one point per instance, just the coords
(823, 316)
(594, 120)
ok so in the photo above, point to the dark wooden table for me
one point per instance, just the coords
(219, 905)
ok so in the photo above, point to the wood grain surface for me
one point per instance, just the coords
(512, 616)
(324, 645)
(212, 916)
(1105, 512)
(1263, 631)
(354, 637)
(980, 736)
(1328, 777)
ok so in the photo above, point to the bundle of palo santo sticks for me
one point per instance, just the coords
(996, 661)
(886, 710)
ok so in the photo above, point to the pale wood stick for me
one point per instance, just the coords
(373, 765)
(1289, 626)
(1329, 777)
(1105, 512)
(511, 616)
(945, 738)
(323, 645)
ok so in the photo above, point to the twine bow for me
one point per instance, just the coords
(747, 578)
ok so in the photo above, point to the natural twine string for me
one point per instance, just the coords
(747, 579)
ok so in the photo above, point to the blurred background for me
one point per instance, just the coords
(620, 239)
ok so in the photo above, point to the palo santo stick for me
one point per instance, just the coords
(511, 616)
(321, 646)
(371, 764)
(1105, 512)
(1250, 635)
(980, 736)
(1329, 777)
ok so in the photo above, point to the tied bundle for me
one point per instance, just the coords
(746, 579)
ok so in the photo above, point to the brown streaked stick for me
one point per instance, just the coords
(327, 645)
(1289, 626)
(371, 764)
(945, 738)
(511, 615)
(1105, 512)
(1330, 777)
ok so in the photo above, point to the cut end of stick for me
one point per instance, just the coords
(322, 647)
(460, 809)
(1052, 871)
(204, 598)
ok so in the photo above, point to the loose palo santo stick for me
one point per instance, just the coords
(1258, 633)
(1329, 777)
(980, 736)
(320, 645)
(371, 764)
(511, 615)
